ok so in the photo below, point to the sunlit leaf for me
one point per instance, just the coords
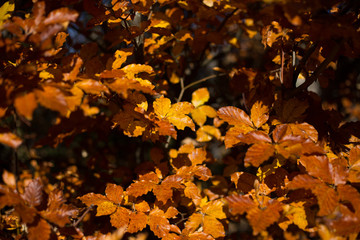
(25, 105)
(39, 231)
(259, 114)
(10, 139)
(158, 223)
(258, 153)
(5, 9)
(200, 96)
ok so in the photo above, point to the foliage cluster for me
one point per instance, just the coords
(179, 119)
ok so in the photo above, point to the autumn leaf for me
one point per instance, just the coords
(5, 9)
(25, 105)
(259, 114)
(158, 223)
(40, 230)
(174, 113)
(326, 196)
(106, 205)
(295, 213)
(207, 133)
(258, 153)
(52, 98)
(33, 193)
(239, 204)
(10, 139)
(261, 218)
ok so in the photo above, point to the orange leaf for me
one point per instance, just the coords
(120, 218)
(52, 98)
(138, 222)
(193, 222)
(158, 223)
(105, 208)
(326, 196)
(25, 105)
(139, 188)
(317, 166)
(258, 153)
(197, 156)
(259, 114)
(213, 227)
(92, 87)
(142, 206)
(40, 231)
(192, 191)
(175, 113)
(93, 199)
(114, 193)
(171, 212)
(234, 116)
(239, 204)
(10, 139)
(260, 219)
(304, 130)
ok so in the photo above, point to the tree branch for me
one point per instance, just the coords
(321, 67)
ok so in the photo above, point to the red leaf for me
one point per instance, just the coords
(114, 193)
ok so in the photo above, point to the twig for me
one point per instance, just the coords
(83, 215)
(302, 62)
(195, 83)
(321, 67)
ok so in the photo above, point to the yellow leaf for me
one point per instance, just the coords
(105, 208)
(295, 212)
(174, 78)
(214, 209)
(175, 113)
(120, 58)
(4, 11)
(162, 106)
(200, 96)
(206, 133)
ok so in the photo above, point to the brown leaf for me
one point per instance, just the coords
(60, 16)
(40, 231)
(33, 193)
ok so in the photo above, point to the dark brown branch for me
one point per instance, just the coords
(302, 62)
(83, 215)
(321, 67)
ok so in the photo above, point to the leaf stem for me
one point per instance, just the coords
(83, 215)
